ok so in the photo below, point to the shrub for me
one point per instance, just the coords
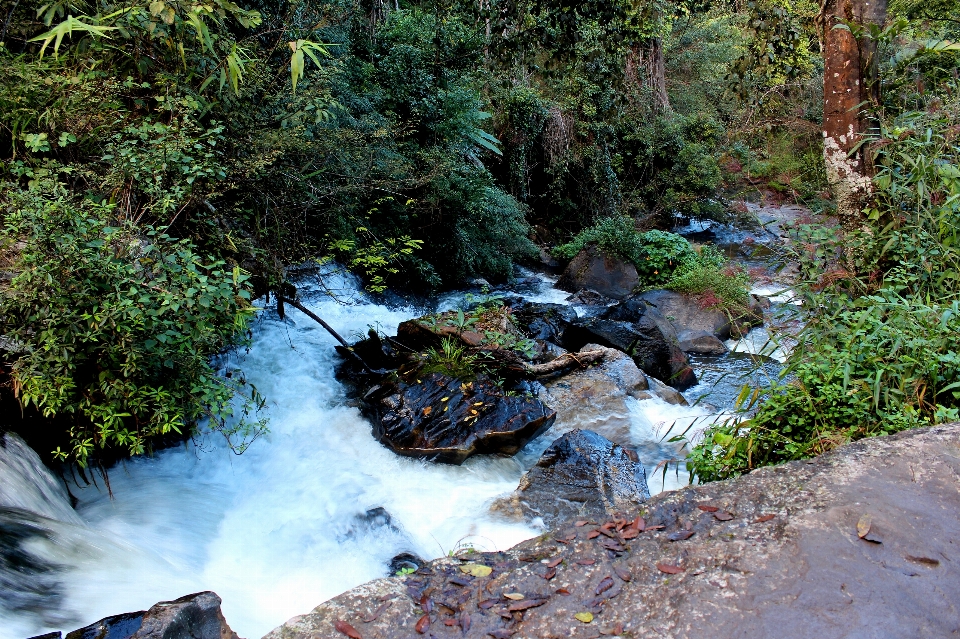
(707, 272)
(115, 327)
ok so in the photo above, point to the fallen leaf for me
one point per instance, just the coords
(605, 584)
(708, 509)
(638, 524)
(526, 604)
(449, 622)
(465, 621)
(423, 624)
(580, 523)
(561, 541)
(593, 534)
(680, 535)
(927, 561)
(502, 633)
(723, 516)
(585, 617)
(763, 518)
(506, 614)
(623, 573)
(347, 629)
(476, 570)
(486, 604)
(427, 410)
(554, 562)
(379, 611)
(426, 603)
(670, 569)
(586, 562)
(571, 536)
(550, 574)
(562, 591)
(655, 527)
(459, 581)
(863, 526)
(516, 596)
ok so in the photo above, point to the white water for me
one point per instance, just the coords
(280, 529)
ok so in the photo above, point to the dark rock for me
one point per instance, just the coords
(120, 626)
(686, 314)
(547, 322)
(593, 269)
(641, 332)
(586, 297)
(196, 616)
(581, 474)
(550, 352)
(548, 261)
(447, 420)
(787, 564)
(594, 398)
(49, 635)
(407, 562)
(701, 343)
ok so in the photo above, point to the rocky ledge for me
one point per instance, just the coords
(861, 542)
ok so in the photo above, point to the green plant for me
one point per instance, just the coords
(451, 359)
(708, 273)
(116, 327)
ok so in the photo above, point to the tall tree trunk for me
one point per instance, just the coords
(850, 86)
(645, 66)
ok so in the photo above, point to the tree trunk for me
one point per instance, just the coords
(850, 85)
(645, 67)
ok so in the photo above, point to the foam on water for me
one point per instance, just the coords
(291, 522)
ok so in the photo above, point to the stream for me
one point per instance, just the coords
(312, 509)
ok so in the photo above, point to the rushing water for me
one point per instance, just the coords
(314, 508)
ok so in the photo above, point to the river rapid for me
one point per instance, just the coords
(314, 508)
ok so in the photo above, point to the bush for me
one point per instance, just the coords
(114, 326)
(656, 254)
(708, 273)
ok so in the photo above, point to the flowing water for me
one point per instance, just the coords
(310, 510)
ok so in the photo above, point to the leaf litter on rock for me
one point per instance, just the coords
(670, 569)
(502, 633)
(680, 535)
(623, 573)
(605, 584)
(376, 613)
(476, 570)
(526, 604)
(516, 596)
(550, 574)
(723, 515)
(707, 509)
(593, 534)
(586, 562)
(554, 562)
(423, 624)
(562, 591)
(763, 518)
(347, 629)
(584, 617)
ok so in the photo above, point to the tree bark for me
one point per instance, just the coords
(645, 66)
(850, 86)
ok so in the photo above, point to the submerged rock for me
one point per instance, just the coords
(581, 474)
(444, 419)
(195, 616)
(775, 553)
(593, 269)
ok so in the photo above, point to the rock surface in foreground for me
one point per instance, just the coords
(581, 474)
(773, 554)
(447, 420)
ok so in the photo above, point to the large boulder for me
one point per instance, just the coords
(543, 321)
(448, 420)
(595, 270)
(196, 616)
(594, 398)
(860, 542)
(701, 343)
(686, 313)
(581, 474)
(643, 333)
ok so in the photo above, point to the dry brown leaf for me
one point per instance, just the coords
(516, 596)
(863, 526)
(347, 629)
(670, 569)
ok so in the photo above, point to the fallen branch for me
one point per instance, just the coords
(346, 346)
(562, 363)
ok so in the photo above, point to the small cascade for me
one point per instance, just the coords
(26, 484)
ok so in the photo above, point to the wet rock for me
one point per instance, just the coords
(666, 393)
(686, 313)
(121, 626)
(701, 343)
(594, 398)
(581, 474)
(550, 352)
(195, 616)
(49, 635)
(406, 562)
(446, 420)
(541, 321)
(586, 297)
(783, 559)
(595, 270)
(640, 331)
